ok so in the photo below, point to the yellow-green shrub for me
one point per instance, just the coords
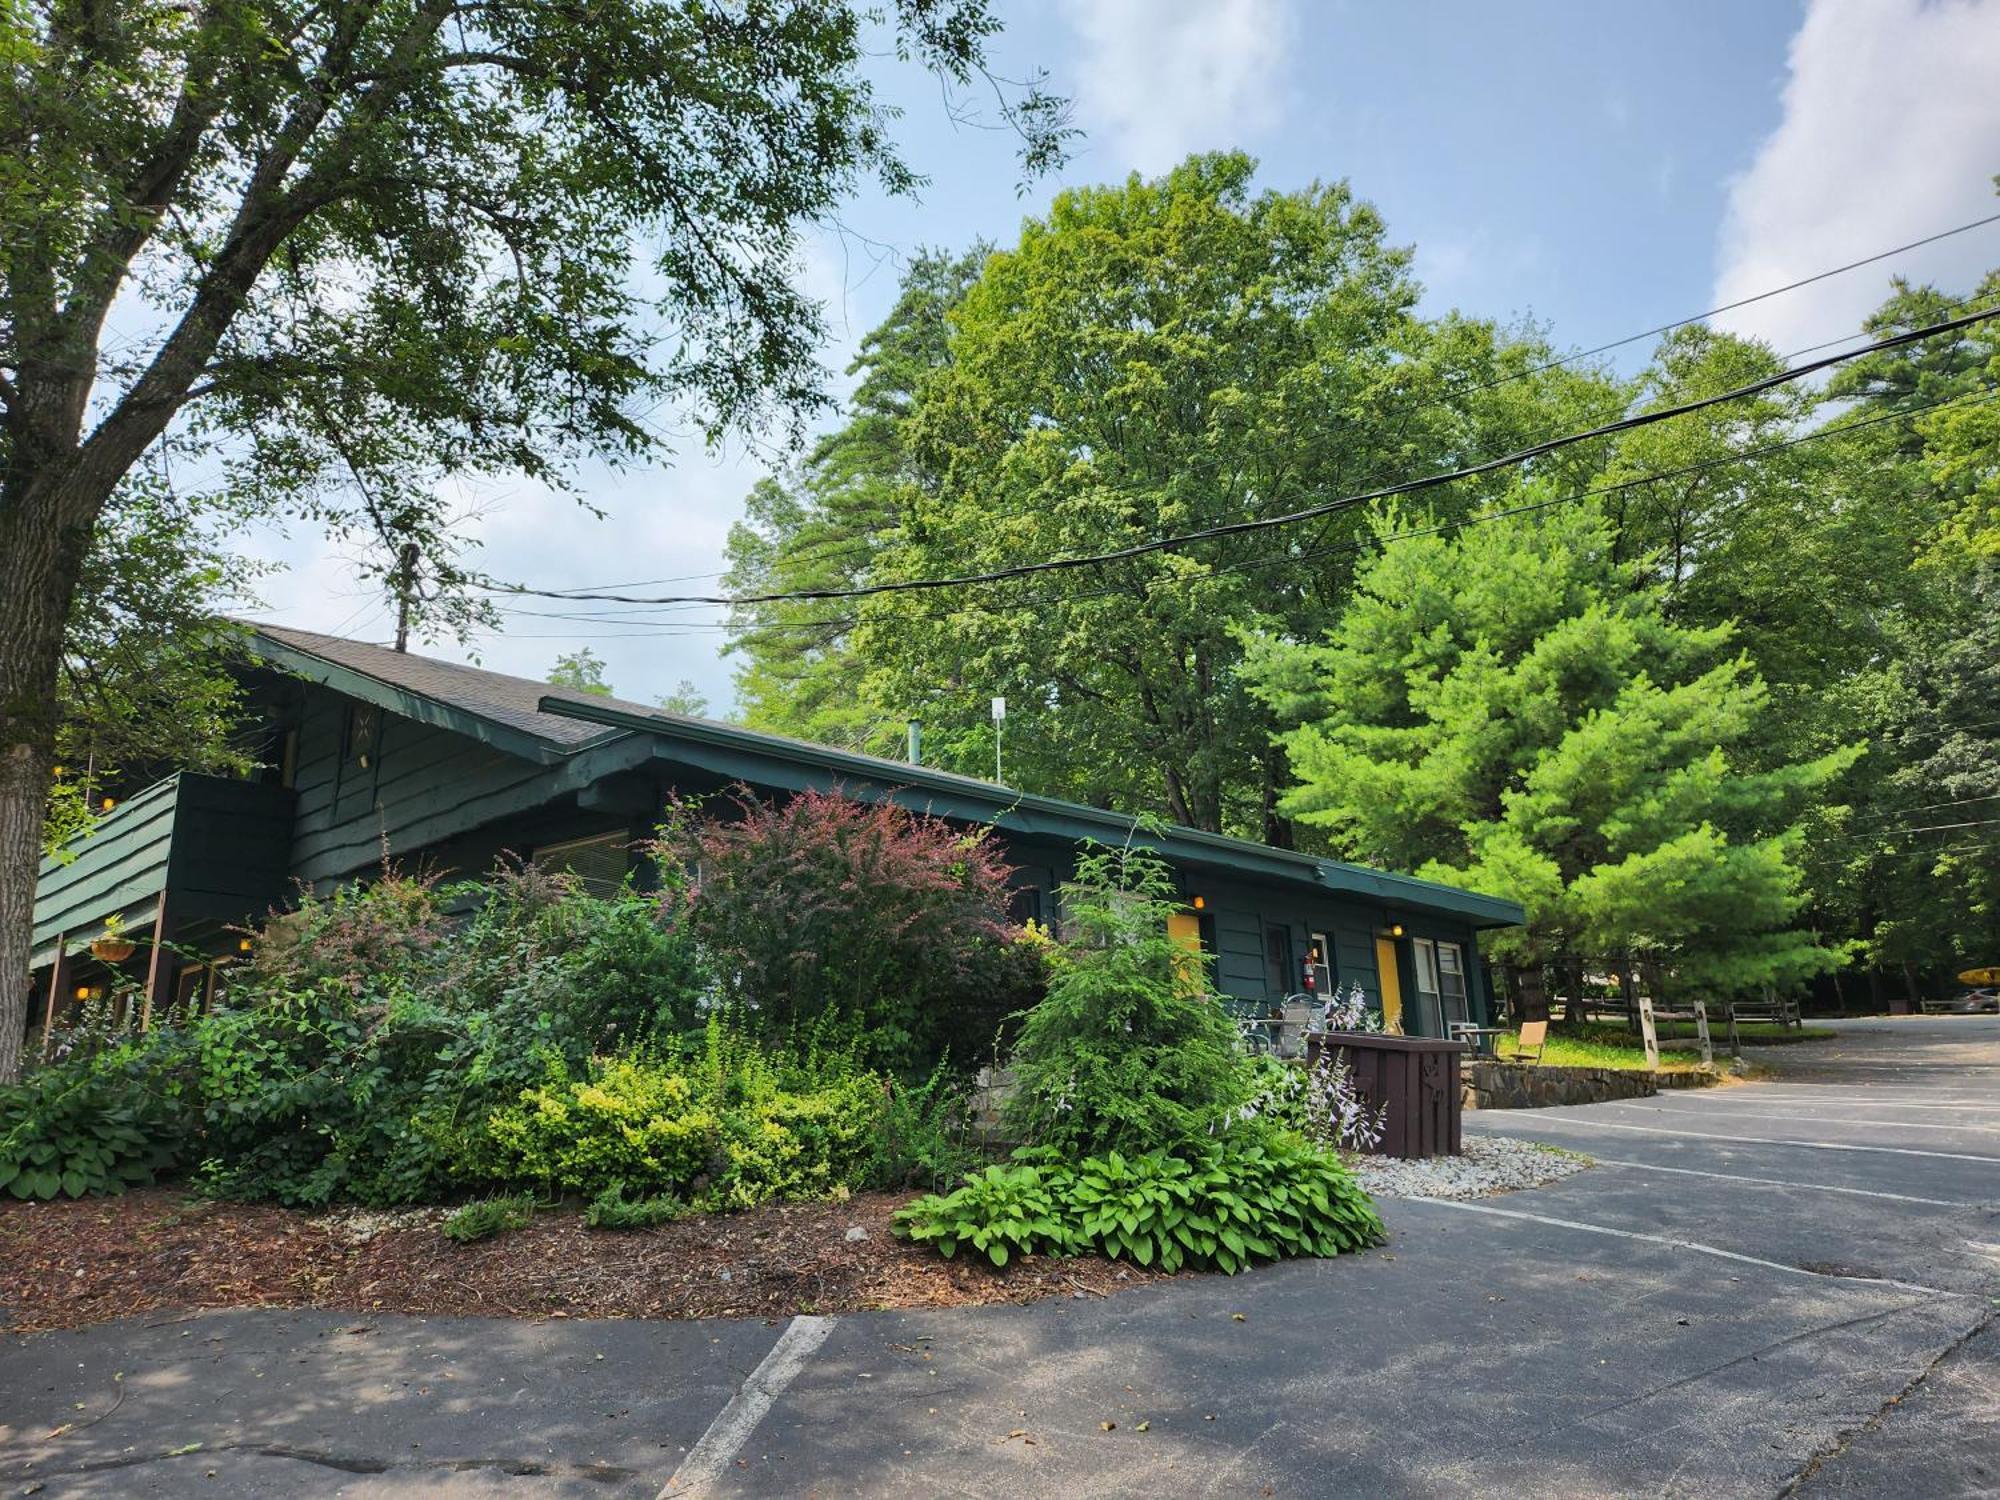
(630, 1122)
(722, 1140)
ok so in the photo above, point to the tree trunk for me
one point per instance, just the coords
(1525, 988)
(1570, 968)
(39, 564)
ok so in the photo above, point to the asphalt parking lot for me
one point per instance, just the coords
(1774, 1288)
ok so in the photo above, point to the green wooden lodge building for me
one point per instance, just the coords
(366, 751)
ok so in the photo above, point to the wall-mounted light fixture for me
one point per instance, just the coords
(1395, 929)
(1200, 903)
(243, 945)
(85, 992)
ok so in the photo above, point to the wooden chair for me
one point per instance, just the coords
(1529, 1044)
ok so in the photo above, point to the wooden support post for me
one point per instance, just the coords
(1701, 1032)
(159, 968)
(58, 979)
(1735, 1040)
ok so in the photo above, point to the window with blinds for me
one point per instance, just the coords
(600, 863)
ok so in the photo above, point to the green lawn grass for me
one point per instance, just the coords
(1602, 1044)
(1568, 1051)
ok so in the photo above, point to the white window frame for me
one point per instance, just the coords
(1451, 973)
(1321, 952)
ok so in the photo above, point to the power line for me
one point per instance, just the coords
(1875, 834)
(1313, 512)
(1286, 557)
(1790, 286)
(586, 591)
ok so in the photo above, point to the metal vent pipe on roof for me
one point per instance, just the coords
(916, 742)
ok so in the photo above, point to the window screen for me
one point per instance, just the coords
(600, 863)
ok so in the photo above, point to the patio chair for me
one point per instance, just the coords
(1529, 1044)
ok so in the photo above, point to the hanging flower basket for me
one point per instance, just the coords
(112, 950)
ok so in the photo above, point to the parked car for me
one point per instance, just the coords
(1974, 1003)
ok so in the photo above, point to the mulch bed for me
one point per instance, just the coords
(158, 1250)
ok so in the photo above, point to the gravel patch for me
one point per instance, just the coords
(1491, 1164)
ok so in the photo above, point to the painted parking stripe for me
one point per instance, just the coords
(1813, 1187)
(1835, 1101)
(1765, 1140)
(710, 1458)
(1745, 1114)
(1678, 1244)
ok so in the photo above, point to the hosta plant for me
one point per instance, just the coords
(70, 1133)
(1002, 1212)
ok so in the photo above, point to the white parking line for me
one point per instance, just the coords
(709, 1459)
(1675, 1244)
(1746, 1114)
(1765, 1140)
(1815, 1187)
(1834, 1101)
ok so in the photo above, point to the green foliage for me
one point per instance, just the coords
(1509, 709)
(611, 1209)
(359, 1055)
(1129, 1050)
(924, 1137)
(486, 1217)
(580, 671)
(145, 684)
(727, 1126)
(1223, 1203)
(1152, 356)
(95, 1122)
(1003, 1212)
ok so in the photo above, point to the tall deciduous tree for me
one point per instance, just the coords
(1508, 708)
(364, 246)
(581, 671)
(1157, 357)
(826, 524)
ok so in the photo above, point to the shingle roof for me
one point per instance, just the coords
(469, 697)
(497, 696)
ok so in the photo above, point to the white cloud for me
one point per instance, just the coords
(1891, 131)
(1158, 79)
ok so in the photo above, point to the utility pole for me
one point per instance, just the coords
(406, 588)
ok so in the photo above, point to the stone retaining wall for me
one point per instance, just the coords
(1505, 1085)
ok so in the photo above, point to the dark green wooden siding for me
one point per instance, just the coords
(219, 846)
(428, 791)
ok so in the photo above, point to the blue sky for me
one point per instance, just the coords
(1598, 167)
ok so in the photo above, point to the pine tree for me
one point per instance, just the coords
(1509, 708)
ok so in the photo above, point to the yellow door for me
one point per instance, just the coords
(1392, 984)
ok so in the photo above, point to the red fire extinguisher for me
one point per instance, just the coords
(1311, 979)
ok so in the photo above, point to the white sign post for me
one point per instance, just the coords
(1650, 1032)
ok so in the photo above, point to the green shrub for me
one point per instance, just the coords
(359, 1055)
(924, 1134)
(626, 1122)
(487, 1217)
(726, 1124)
(104, 1117)
(611, 1209)
(1129, 1050)
(1248, 1196)
(1003, 1212)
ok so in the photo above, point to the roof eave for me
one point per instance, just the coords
(414, 705)
(1028, 812)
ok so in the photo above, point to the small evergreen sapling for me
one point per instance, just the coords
(1130, 1050)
